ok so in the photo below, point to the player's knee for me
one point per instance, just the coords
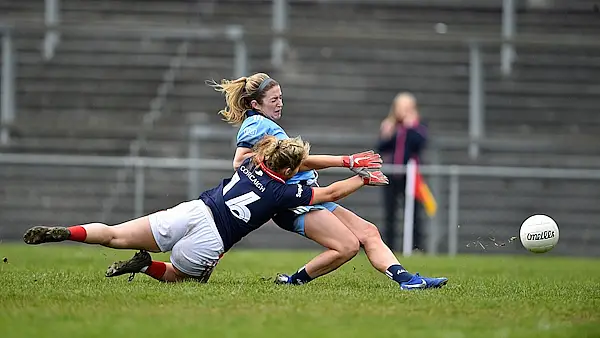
(179, 276)
(370, 235)
(118, 237)
(349, 248)
(99, 233)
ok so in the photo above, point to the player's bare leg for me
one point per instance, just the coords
(324, 228)
(342, 243)
(380, 255)
(134, 234)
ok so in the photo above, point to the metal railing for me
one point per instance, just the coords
(51, 19)
(453, 172)
(8, 99)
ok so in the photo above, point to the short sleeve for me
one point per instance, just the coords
(277, 131)
(294, 195)
(251, 131)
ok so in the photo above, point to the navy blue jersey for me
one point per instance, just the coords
(247, 200)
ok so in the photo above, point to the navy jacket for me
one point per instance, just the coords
(405, 144)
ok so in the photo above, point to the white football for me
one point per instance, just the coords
(539, 233)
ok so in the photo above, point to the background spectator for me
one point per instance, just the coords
(402, 136)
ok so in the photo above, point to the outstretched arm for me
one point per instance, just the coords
(312, 162)
(341, 189)
(366, 159)
(317, 162)
(295, 195)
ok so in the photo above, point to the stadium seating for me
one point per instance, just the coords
(92, 96)
(96, 87)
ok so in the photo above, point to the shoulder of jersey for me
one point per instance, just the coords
(263, 176)
(255, 118)
(250, 120)
(262, 119)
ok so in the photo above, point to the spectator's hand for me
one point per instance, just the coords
(410, 121)
(387, 128)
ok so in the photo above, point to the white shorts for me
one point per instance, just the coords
(188, 230)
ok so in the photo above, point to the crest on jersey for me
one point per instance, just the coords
(299, 193)
(250, 131)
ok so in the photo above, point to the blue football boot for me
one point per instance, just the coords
(419, 282)
(283, 279)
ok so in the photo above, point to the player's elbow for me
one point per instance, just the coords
(333, 194)
(323, 194)
(237, 163)
(304, 168)
(330, 193)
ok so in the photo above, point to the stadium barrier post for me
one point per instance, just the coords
(434, 223)
(140, 188)
(409, 208)
(193, 153)
(240, 62)
(279, 26)
(476, 99)
(7, 114)
(453, 205)
(52, 36)
(507, 54)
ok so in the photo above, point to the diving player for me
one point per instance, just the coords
(199, 232)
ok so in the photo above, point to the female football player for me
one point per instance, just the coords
(255, 103)
(198, 232)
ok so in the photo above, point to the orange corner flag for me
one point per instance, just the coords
(423, 194)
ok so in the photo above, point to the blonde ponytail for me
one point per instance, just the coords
(239, 94)
(234, 91)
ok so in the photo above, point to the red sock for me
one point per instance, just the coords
(78, 233)
(156, 270)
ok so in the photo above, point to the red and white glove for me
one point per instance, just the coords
(366, 159)
(375, 178)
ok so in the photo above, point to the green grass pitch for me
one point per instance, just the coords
(60, 291)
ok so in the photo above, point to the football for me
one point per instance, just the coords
(539, 233)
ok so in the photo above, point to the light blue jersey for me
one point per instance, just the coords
(255, 127)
